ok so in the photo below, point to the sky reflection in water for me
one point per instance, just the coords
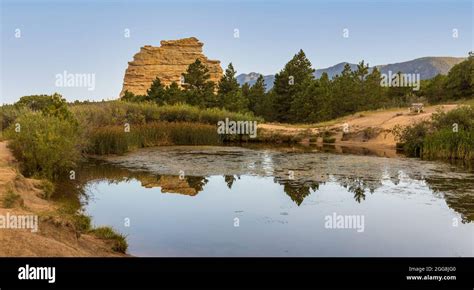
(409, 206)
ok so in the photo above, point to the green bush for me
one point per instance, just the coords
(81, 222)
(46, 146)
(47, 187)
(448, 135)
(412, 137)
(9, 113)
(463, 117)
(50, 105)
(10, 198)
(107, 233)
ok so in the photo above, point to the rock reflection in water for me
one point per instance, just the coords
(183, 201)
(299, 173)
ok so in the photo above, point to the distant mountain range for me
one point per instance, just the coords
(427, 67)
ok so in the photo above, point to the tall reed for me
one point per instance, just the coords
(446, 144)
(118, 113)
(116, 140)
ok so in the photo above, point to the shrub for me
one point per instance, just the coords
(72, 213)
(329, 140)
(46, 146)
(81, 222)
(50, 105)
(439, 138)
(463, 117)
(369, 133)
(9, 113)
(412, 137)
(47, 187)
(10, 198)
(107, 233)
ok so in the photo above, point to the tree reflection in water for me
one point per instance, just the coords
(457, 192)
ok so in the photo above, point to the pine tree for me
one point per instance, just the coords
(397, 93)
(174, 95)
(288, 83)
(156, 92)
(229, 94)
(324, 97)
(375, 93)
(304, 103)
(228, 82)
(131, 97)
(128, 96)
(343, 89)
(236, 102)
(256, 96)
(199, 89)
(361, 72)
(360, 91)
(245, 90)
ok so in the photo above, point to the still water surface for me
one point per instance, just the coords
(234, 201)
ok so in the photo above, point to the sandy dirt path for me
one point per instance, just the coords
(381, 122)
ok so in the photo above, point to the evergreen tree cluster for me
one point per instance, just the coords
(298, 97)
(458, 84)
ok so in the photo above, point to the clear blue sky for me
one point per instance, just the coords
(88, 36)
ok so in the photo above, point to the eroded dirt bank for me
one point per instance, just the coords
(55, 235)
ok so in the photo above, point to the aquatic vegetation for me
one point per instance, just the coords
(118, 140)
(48, 137)
(411, 138)
(117, 127)
(119, 112)
(447, 136)
(447, 144)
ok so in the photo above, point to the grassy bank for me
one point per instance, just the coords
(118, 127)
(82, 225)
(49, 136)
(446, 144)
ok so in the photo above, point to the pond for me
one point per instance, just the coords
(271, 201)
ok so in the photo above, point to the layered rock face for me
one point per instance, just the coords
(168, 62)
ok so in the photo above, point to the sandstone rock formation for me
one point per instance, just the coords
(167, 62)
